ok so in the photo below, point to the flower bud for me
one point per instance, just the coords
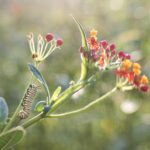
(93, 40)
(113, 52)
(59, 42)
(104, 43)
(144, 88)
(85, 54)
(81, 49)
(128, 56)
(49, 37)
(92, 51)
(107, 50)
(121, 54)
(112, 46)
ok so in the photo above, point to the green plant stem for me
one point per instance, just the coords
(83, 70)
(42, 116)
(10, 123)
(66, 94)
(85, 107)
(61, 99)
(33, 120)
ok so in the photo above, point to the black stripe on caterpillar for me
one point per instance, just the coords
(27, 101)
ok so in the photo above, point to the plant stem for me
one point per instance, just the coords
(61, 99)
(83, 70)
(66, 94)
(33, 120)
(85, 107)
(10, 123)
(42, 116)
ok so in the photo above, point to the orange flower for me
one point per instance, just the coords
(137, 71)
(136, 66)
(93, 33)
(127, 64)
(144, 79)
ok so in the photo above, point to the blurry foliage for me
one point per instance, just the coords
(105, 126)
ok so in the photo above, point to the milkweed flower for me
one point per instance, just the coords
(45, 46)
(132, 75)
(101, 53)
(93, 33)
(105, 57)
(59, 42)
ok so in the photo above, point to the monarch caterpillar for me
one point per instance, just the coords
(27, 101)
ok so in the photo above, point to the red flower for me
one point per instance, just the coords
(49, 37)
(104, 43)
(112, 46)
(59, 42)
(144, 88)
(131, 76)
(136, 81)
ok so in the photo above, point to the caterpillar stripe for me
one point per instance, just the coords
(27, 101)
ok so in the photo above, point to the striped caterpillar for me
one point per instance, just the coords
(27, 101)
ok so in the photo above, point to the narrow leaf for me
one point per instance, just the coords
(39, 76)
(39, 107)
(3, 110)
(11, 138)
(85, 48)
(56, 93)
(83, 36)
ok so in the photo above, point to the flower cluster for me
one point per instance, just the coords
(104, 56)
(45, 46)
(131, 72)
(101, 53)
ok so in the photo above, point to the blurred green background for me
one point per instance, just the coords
(122, 122)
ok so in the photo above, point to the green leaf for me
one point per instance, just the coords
(56, 93)
(39, 76)
(83, 36)
(85, 48)
(11, 138)
(39, 107)
(3, 110)
(67, 93)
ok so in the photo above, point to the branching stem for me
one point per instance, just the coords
(83, 108)
(42, 116)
